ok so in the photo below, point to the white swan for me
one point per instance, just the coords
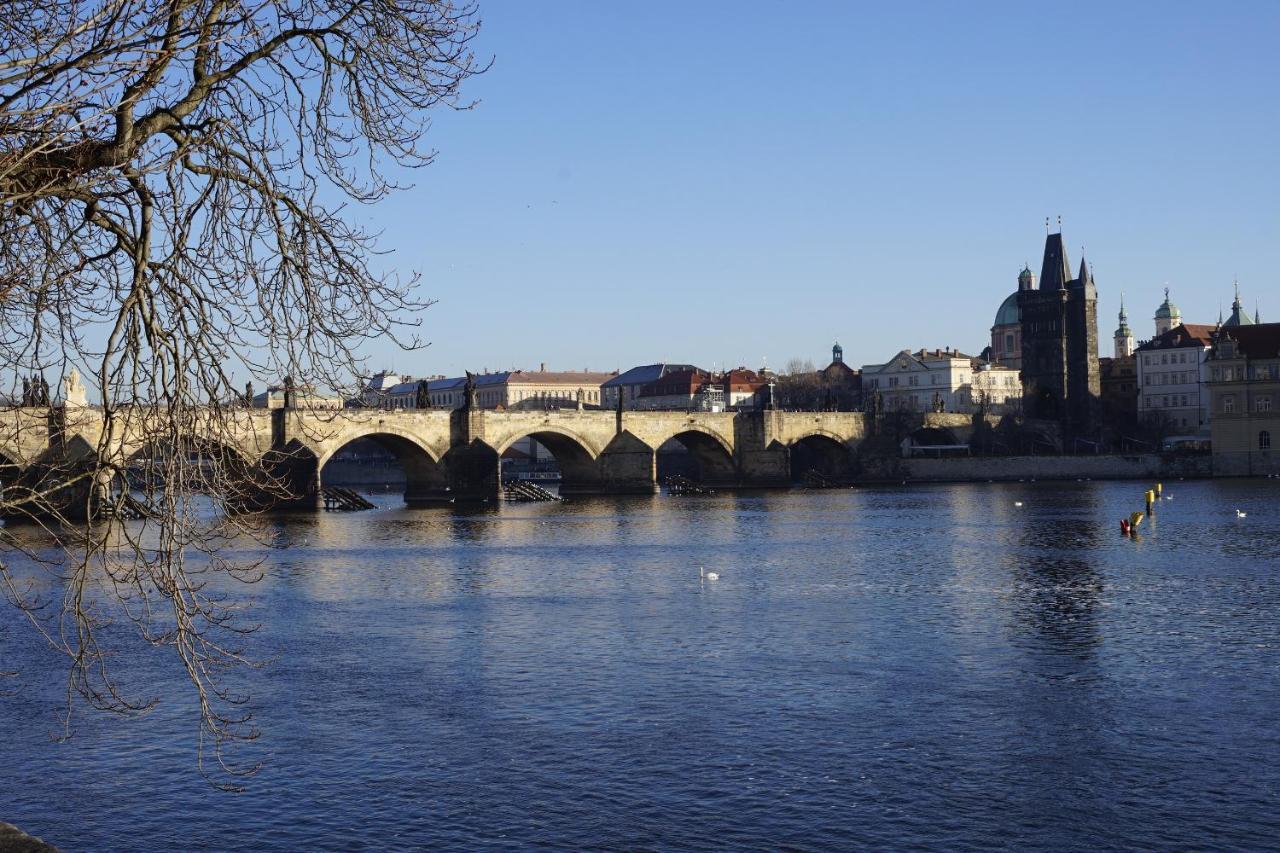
(1240, 514)
(1017, 503)
(708, 576)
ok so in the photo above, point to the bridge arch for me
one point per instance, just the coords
(709, 459)
(10, 465)
(425, 477)
(820, 457)
(577, 461)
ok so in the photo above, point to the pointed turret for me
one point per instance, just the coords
(1085, 276)
(1124, 335)
(1239, 316)
(1055, 272)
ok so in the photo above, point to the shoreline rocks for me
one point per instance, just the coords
(14, 840)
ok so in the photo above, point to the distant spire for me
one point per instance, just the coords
(1257, 315)
(1085, 277)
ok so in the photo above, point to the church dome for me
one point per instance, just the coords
(1007, 314)
(1167, 310)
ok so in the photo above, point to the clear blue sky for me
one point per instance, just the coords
(724, 182)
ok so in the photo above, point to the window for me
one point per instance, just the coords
(1262, 404)
(1164, 358)
(1229, 404)
(1264, 440)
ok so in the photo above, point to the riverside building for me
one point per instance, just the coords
(1244, 396)
(939, 380)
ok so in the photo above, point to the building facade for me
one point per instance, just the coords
(627, 384)
(1118, 378)
(939, 380)
(1171, 379)
(1060, 375)
(507, 389)
(1244, 396)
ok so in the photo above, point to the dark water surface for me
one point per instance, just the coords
(925, 667)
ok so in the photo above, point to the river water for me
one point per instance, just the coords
(925, 667)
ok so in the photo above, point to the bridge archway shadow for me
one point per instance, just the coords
(552, 459)
(195, 464)
(699, 457)
(381, 462)
(9, 469)
(945, 442)
(820, 460)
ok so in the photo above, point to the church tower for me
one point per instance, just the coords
(1124, 335)
(837, 354)
(1060, 376)
(1167, 315)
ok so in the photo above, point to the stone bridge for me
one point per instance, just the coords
(454, 455)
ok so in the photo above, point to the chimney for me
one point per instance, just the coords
(543, 367)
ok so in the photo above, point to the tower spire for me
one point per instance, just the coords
(1055, 272)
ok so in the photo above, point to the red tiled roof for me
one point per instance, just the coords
(1186, 335)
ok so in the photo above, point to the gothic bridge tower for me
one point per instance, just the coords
(1060, 378)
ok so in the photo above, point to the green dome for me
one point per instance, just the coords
(1007, 314)
(1167, 310)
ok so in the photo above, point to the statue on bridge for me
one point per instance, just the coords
(423, 396)
(73, 393)
(938, 405)
(35, 391)
(469, 392)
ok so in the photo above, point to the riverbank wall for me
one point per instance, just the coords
(1149, 466)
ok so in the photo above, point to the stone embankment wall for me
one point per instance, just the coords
(1102, 467)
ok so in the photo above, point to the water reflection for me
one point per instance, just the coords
(920, 667)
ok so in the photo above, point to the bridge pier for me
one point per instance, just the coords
(762, 463)
(474, 472)
(628, 466)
